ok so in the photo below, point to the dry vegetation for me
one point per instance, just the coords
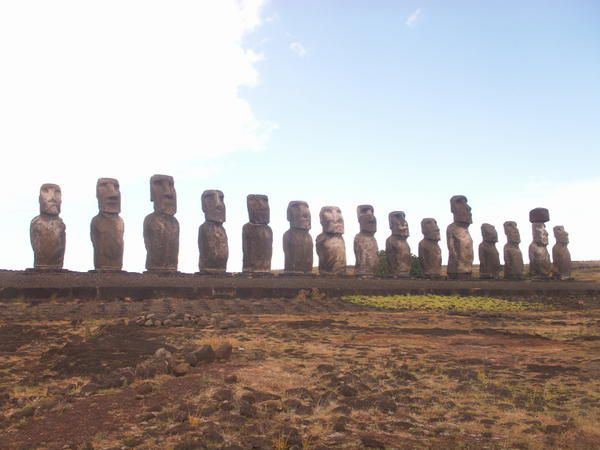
(310, 373)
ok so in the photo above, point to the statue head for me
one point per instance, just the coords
(512, 232)
(540, 235)
(298, 215)
(561, 236)
(366, 218)
(398, 224)
(430, 229)
(162, 193)
(461, 210)
(258, 209)
(213, 206)
(331, 220)
(108, 195)
(50, 199)
(489, 233)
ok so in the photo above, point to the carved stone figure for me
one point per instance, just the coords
(460, 243)
(397, 249)
(365, 245)
(257, 236)
(297, 242)
(561, 257)
(47, 231)
(107, 227)
(489, 259)
(161, 228)
(540, 266)
(212, 237)
(513, 258)
(331, 248)
(430, 253)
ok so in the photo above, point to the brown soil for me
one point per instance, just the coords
(304, 373)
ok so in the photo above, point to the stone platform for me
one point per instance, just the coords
(84, 285)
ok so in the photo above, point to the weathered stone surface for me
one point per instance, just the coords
(297, 241)
(397, 249)
(561, 257)
(47, 231)
(430, 252)
(257, 236)
(539, 215)
(365, 244)
(212, 237)
(331, 248)
(489, 259)
(540, 266)
(161, 228)
(513, 258)
(460, 243)
(107, 228)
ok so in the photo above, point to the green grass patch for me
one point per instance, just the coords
(444, 303)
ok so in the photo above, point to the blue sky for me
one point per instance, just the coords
(397, 104)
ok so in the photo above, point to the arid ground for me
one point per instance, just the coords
(304, 373)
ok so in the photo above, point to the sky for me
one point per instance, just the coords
(398, 104)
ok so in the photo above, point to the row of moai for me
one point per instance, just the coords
(161, 238)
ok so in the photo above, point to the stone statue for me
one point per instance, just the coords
(107, 227)
(561, 257)
(513, 258)
(489, 259)
(540, 266)
(48, 231)
(430, 253)
(161, 228)
(257, 236)
(460, 243)
(397, 250)
(297, 242)
(365, 245)
(331, 248)
(212, 237)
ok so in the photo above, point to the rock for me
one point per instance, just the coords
(208, 411)
(204, 354)
(148, 323)
(339, 425)
(223, 351)
(223, 394)
(181, 369)
(347, 391)
(247, 410)
(90, 389)
(231, 379)
(27, 411)
(371, 442)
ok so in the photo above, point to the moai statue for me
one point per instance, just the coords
(365, 245)
(513, 258)
(561, 257)
(331, 248)
(161, 228)
(430, 253)
(297, 242)
(257, 236)
(460, 243)
(397, 249)
(107, 227)
(489, 259)
(212, 237)
(47, 231)
(540, 266)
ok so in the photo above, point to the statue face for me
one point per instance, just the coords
(332, 220)
(461, 209)
(561, 236)
(50, 199)
(512, 233)
(258, 209)
(540, 235)
(108, 195)
(398, 224)
(430, 229)
(366, 218)
(213, 206)
(298, 215)
(489, 233)
(162, 193)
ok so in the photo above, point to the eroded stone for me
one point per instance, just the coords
(107, 227)
(212, 237)
(489, 259)
(47, 231)
(365, 244)
(331, 248)
(257, 236)
(397, 249)
(513, 258)
(430, 252)
(297, 241)
(460, 243)
(561, 257)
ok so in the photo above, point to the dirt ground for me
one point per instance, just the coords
(307, 373)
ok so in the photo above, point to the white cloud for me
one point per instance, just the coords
(412, 20)
(298, 48)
